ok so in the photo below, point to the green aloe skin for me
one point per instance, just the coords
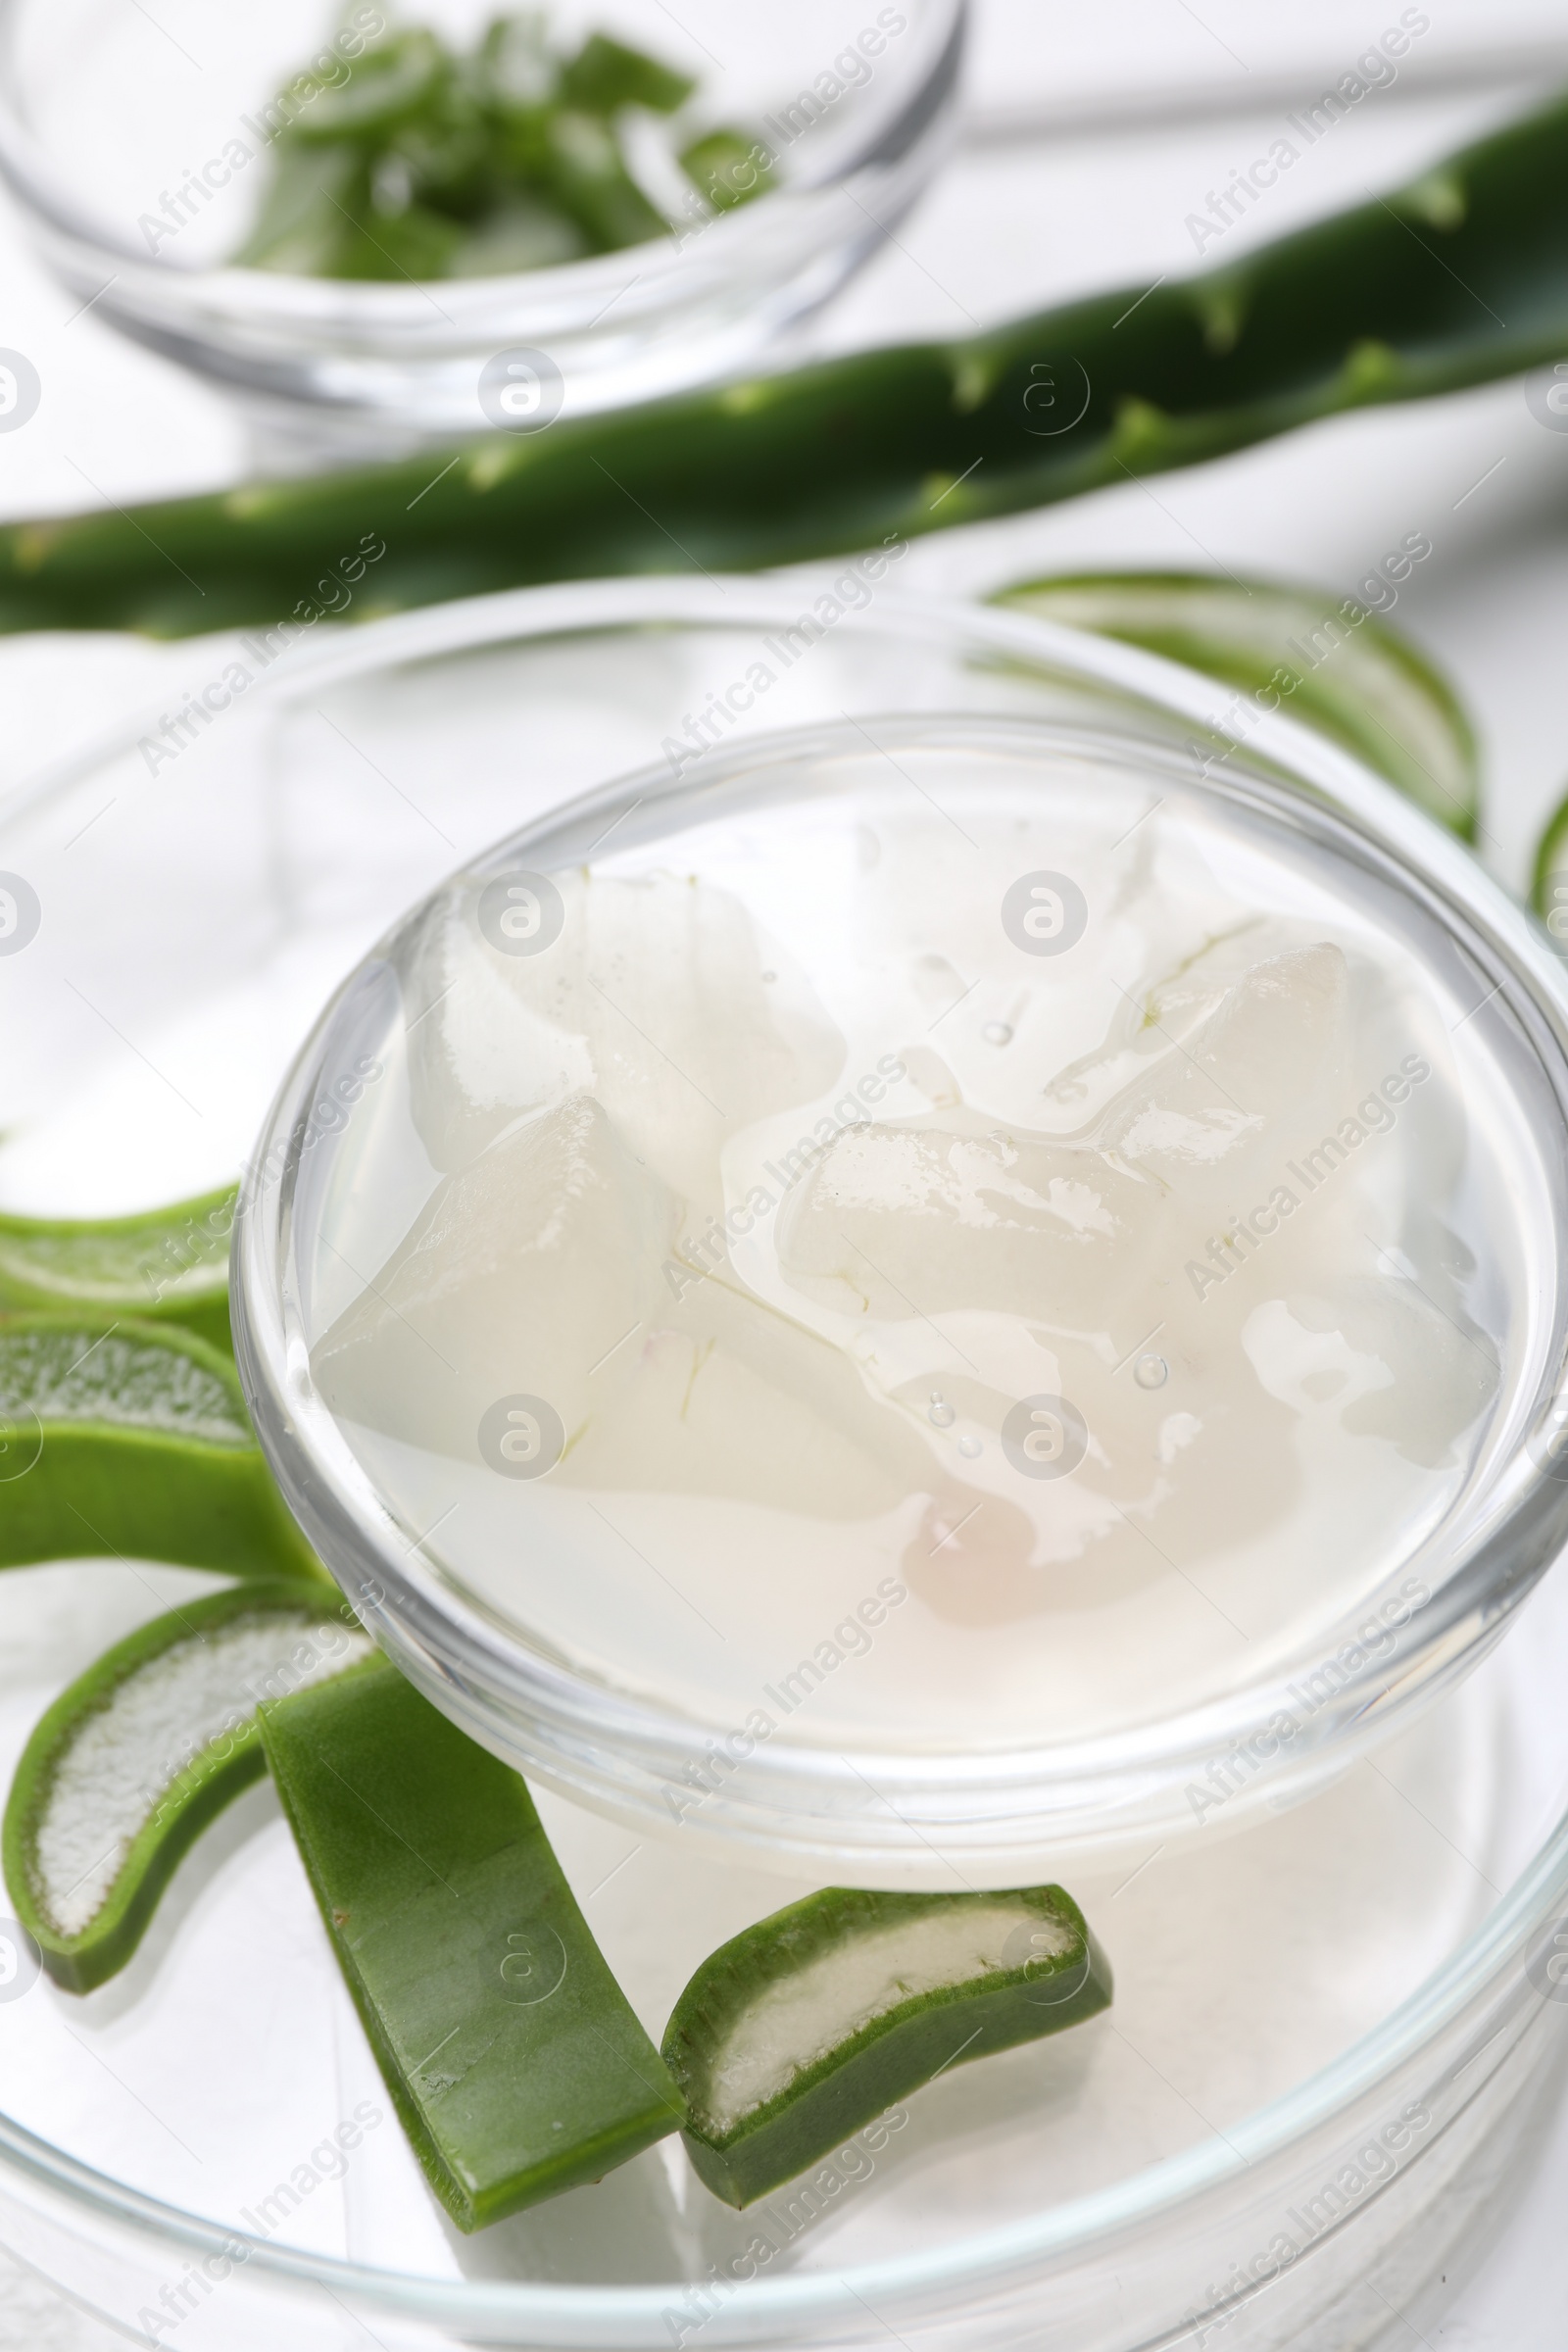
(1041, 1972)
(164, 1797)
(1548, 883)
(132, 1440)
(1324, 661)
(510, 2054)
(1458, 278)
(166, 1265)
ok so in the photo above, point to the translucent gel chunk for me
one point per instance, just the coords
(814, 1205)
(521, 1273)
(622, 1004)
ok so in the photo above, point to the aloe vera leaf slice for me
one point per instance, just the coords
(798, 2031)
(169, 1264)
(138, 1754)
(1323, 659)
(133, 1438)
(515, 2062)
(1548, 884)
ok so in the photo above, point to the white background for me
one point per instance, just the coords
(1092, 133)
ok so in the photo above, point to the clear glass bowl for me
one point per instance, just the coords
(114, 125)
(874, 1800)
(1336, 2031)
(1336, 2039)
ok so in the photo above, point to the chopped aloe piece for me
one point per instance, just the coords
(135, 1759)
(425, 163)
(605, 74)
(415, 243)
(512, 66)
(1548, 886)
(798, 2032)
(513, 2059)
(300, 225)
(128, 1437)
(1326, 661)
(589, 179)
(388, 85)
(725, 168)
(523, 233)
(169, 1263)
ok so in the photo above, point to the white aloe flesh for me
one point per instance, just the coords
(796, 2020)
(803, 2029)
(157, 1723)
(138, 1753)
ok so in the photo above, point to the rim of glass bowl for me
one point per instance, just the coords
(997, 1812)
(1461, 1993)
(45, 190)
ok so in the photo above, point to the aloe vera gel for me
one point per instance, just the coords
(926, 1242)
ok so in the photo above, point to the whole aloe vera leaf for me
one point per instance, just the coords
(1458, 279)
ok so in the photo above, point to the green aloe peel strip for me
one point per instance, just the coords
(1326, 661)
(794, 2035)
(132, 1440)
(1458, 279)
(170, 1264)
(140, 1753)
(511, 2056)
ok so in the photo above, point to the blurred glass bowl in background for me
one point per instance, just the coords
(141, 152)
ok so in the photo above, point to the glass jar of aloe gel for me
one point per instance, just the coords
(941, 1279)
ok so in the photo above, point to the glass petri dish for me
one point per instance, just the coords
(138, 152)
(1196, 1602)
(1331, 2055)
(1336, 2030)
